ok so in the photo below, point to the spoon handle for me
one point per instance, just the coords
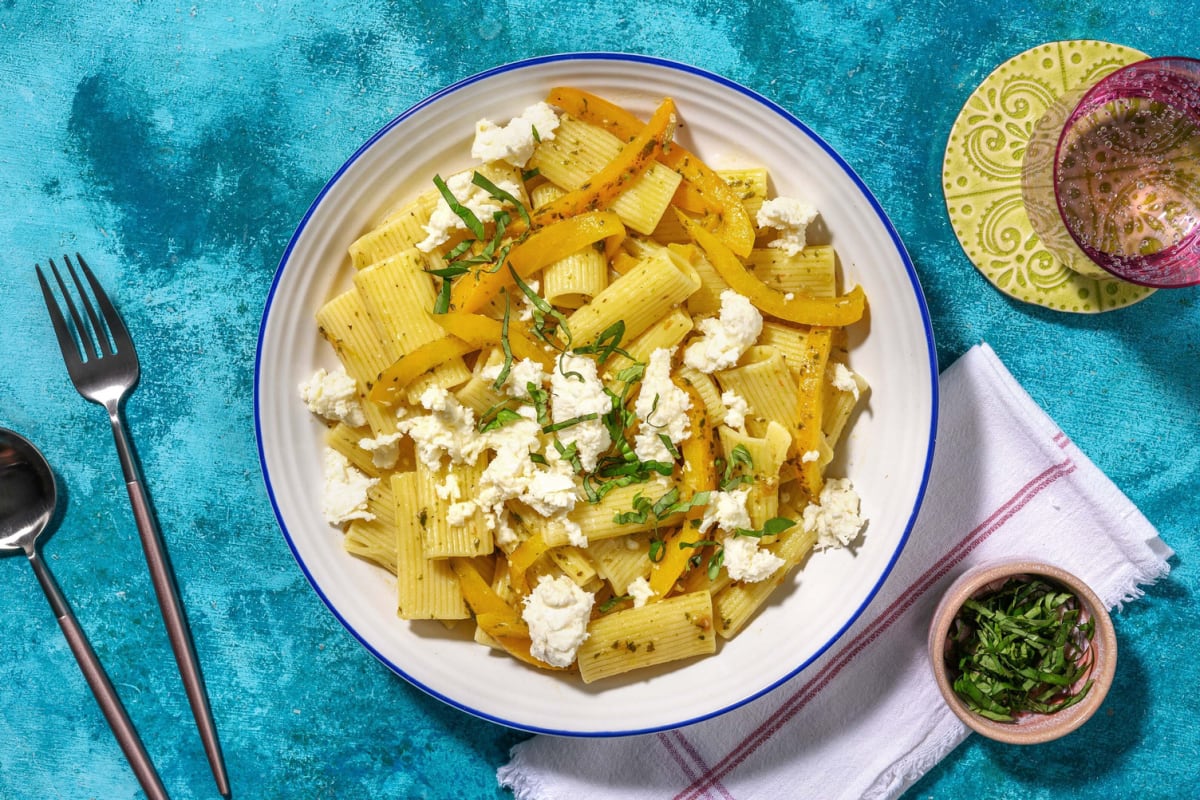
(102, 688)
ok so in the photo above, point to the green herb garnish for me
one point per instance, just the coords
(505, 346)
(734, 474)
(772, 527)
(614, 601)
(1021, 649)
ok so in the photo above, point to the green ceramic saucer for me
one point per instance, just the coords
(981, 177)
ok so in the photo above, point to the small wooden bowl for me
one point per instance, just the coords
(1033, 728)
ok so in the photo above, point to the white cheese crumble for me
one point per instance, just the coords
(661, 408)
(334, 396)
(736, 409)
(511, 474)
(557, 612)
(384, 449)
(345, 495)
(449, 430)
(444, 221)
(810, 456)
(577, 391)
(459, 514)
(843, 379)
(515, 141)
(791, 217)
(639, 589)
(836, 519)
(726, 336)
(726, 510)
(745, 561)
(520, 375)
(449, 489)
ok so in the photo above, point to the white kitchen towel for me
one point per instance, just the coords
(866, 720)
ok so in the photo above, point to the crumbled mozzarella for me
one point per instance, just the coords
(527, 306)
(448, 430)
(726, 336)
(557, 612)
(747, 562)
(843, 379)
(334, 396)
(661, 408)
(549, 488)
(791, 217)
(384, 449)
(726, 510)
(449, 488)
(515, 141)
(639, 589)
(736, 409)
(345, 494)
(577, 391)
(444, 220)
(836, 519)
(460, 513)
(520, 375)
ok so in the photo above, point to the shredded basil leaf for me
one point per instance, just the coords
(462, 212)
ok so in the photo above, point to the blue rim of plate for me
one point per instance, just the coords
(800, 127)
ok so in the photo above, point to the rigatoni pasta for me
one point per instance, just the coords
(599, 397)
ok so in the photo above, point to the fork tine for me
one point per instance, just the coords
(62, 330)
(84, 336)
(121, 340)
(103, 346)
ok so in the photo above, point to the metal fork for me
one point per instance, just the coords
(104, 367)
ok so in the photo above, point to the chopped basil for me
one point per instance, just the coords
(462, 212)
(772, 527)
(1023, 648)
(506, 346)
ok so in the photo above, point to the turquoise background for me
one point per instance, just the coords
(177, 145)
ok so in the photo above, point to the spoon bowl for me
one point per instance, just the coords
(28, 493)
(28, 497)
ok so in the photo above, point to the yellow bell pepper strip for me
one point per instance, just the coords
(522, 558)
(706, 192)
(510, 637)
(802, 309)
(480, 597)
(468, 333)
(472, 291)
(806, 437)
(482, 331)
(494, 616)
(599, 191)
(392, 381)
(622, 262)
(699, 474)
(500, 626)
(688, 197)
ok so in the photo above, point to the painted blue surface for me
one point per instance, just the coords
(177, 146)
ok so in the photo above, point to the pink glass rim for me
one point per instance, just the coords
(1173, 81)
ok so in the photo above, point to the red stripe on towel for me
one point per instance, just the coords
(704, 785)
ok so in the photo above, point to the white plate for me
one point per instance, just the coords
(887, 454)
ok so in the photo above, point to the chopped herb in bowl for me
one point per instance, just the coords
(1023, 648)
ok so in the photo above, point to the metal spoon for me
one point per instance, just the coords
(27, 500)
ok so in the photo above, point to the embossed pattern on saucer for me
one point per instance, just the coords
(981, 177)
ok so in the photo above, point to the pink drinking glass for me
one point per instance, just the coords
(1126, 173)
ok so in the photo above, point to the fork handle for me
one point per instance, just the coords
(167, 592)
(101, 686)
